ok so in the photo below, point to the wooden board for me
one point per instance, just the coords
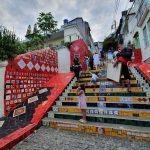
(114, 73)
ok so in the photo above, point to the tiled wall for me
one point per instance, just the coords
(26, 73)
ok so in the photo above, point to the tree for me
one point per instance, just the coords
(35, 41)
(28, 31)
(109, 43)
(35, 30)
(47, 23)
(9, 44)
(68, 44)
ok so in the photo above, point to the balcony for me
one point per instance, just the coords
(144, 8)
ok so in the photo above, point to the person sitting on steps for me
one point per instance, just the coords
(94, 80)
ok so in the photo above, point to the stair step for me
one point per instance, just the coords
(93, 71)
(108, 82)
(131, 81)
(125, 131)
(118, 111)
(110, 99)
(88, 75)
(100, 79)
(137, 121)
(140, 94)
(101, 115)
(88, 90)
(109, 86)
(107, 104)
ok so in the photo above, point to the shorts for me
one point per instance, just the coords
(93, 81)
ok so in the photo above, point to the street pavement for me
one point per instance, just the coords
(47, 138)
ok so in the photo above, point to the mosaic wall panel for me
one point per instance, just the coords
(26, 74)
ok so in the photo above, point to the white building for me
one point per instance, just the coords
(78, 29)
(136, 27)
(71, 31)
(63, 63)
(143, 22)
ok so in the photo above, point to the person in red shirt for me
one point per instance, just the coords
(125, 56)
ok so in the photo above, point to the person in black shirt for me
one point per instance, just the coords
(77, 67)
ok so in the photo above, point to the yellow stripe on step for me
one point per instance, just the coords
(89, 78)
(74, 127)
(90, 90)
(111, 99)
(128, 113)
(108, 83)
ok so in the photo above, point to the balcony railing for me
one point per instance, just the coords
(142, 12)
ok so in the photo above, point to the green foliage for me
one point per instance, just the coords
(36, 41)
(68, 44)
(9, 44)
(109, 43)
(47, 23)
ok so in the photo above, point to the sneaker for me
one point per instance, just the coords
(82, 121)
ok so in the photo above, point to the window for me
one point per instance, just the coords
(145, 36)
(136, 40)
(148, 25)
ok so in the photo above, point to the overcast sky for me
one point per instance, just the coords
(18, 14)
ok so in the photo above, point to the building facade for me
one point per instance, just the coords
(136, 27)
(71, 31)
(78, 29)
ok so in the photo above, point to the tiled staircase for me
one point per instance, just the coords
(111, 109)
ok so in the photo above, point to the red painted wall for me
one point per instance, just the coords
(137, 55)
(80, 49)
(26, 73)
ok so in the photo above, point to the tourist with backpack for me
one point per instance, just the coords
(124, 57)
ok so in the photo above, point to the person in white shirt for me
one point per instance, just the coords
(94, 80)
(96, 60)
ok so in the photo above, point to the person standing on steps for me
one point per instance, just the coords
(86, 63)
(82, 102)
(125, 56)
(77, 67)
(96, 60)
(91, 62)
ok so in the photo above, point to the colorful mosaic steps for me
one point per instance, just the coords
(102, 78)
(106, 82)
(143, 122)
(89, 90)
(140, 94)
(123, 131)
(88, 75)
(109, 99)
(107, 104)
(109, 86)
(111, 109)
(93, 71)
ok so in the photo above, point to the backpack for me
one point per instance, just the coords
(126, 53)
